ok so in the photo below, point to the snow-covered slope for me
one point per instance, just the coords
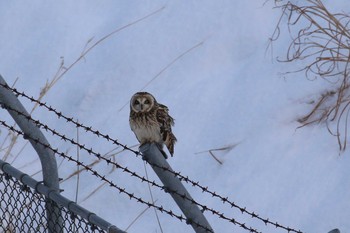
(207, 63)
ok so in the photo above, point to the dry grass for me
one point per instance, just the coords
(224, 149)
(320, 42)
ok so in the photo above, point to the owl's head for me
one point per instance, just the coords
(142, 102)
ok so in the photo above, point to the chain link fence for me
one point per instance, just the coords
(24, 208)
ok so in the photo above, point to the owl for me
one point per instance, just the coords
(151, 122)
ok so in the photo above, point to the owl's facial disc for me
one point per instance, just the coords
(142, 104)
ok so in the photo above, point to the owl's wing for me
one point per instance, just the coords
(165, 122)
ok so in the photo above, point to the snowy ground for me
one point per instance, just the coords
(226, 90)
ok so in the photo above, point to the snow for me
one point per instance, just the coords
(226, 90)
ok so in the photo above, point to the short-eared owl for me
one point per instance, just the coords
(151, 122)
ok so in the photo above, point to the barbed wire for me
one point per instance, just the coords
(103, 178)
(125, 169)
(204, 189)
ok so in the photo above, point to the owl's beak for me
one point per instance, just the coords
(141, 105)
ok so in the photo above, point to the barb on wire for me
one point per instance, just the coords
(102, 177)
(204, 189)
(125, 169)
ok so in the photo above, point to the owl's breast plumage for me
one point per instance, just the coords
(145, 127)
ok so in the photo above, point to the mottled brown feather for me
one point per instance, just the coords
(165, 122)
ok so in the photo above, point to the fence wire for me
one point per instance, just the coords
(204, 189)
(22, 209)
(95, 173)
(134, 174)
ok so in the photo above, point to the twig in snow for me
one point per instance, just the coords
(225, 148)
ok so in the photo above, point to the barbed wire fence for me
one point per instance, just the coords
(88, 129)
(124, 169)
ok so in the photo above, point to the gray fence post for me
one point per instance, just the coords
(161, 167)
(47, 157)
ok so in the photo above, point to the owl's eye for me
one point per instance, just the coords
(146, 101)
(136, 102)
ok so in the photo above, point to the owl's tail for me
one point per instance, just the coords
(170, 142)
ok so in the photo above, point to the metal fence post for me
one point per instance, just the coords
(161, 167)
(47, 158)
